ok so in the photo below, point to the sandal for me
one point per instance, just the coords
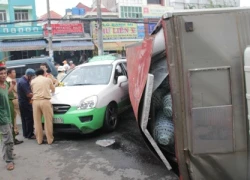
(32, 137)
(10, 166)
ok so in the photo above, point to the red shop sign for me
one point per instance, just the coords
(64, 29)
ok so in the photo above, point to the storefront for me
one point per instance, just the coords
(70, 42)
(118, 35)
(152, 14)
(22, 42)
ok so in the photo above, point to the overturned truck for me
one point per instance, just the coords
(189, 85)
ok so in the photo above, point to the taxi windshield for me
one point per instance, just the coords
(89, 75)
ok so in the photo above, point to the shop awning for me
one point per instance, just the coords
(116, 46)
(22, 45)
(72, 45)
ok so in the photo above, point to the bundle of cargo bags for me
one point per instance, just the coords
(161, 125)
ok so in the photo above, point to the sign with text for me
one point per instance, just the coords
(119, 30)
(155, 11)
(21, 31)
(151, 27)
(64, 29)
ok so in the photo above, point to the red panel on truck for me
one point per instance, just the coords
(138, 60)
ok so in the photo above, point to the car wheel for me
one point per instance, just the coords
(110, 121)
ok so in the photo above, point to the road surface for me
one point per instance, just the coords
(78, 157)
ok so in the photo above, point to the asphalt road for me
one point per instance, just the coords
(78, 157)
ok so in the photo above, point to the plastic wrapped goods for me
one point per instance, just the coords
(167, 106)
(164, 130)
(165, 84)
(157, 99)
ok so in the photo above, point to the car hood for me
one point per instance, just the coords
(72, 95)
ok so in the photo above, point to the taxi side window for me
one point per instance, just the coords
(20, 70)
(119, 71)
(124, 66)
(37, 66)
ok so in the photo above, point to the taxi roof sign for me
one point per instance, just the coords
(105, 57)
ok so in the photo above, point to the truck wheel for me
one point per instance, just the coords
(110, 120)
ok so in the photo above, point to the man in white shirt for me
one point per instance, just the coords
(66, 65)
(61, 73)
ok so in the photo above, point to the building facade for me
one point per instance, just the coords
(20, 36)
(116, 35)
(69, 39)
(148, 10)
(82, 11)
(152, 10)
(200, 4)
(137, 8)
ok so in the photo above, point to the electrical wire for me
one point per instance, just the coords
(141, 21)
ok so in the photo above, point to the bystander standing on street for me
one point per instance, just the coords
(11, 85)
(25, 103)
(57, 65)
(48, 74)
(42, 88)
(5, 121)
(61, 73)
(66, 66)
(83, 58)
(11, 76)
(72, 65)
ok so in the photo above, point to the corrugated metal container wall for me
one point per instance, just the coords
(206, 64)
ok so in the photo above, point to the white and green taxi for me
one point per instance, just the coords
(91, 96)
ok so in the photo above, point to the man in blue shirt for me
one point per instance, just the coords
(25, 104)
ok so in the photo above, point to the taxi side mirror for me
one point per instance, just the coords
(122, 79)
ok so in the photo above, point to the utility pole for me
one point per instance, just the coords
(50, 32)
(99, 25)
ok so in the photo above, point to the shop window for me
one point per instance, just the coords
(131, 12)
(25, 54)
(154, 1)
(21, 15)
(3, 17)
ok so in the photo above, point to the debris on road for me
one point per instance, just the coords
(105, 142)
